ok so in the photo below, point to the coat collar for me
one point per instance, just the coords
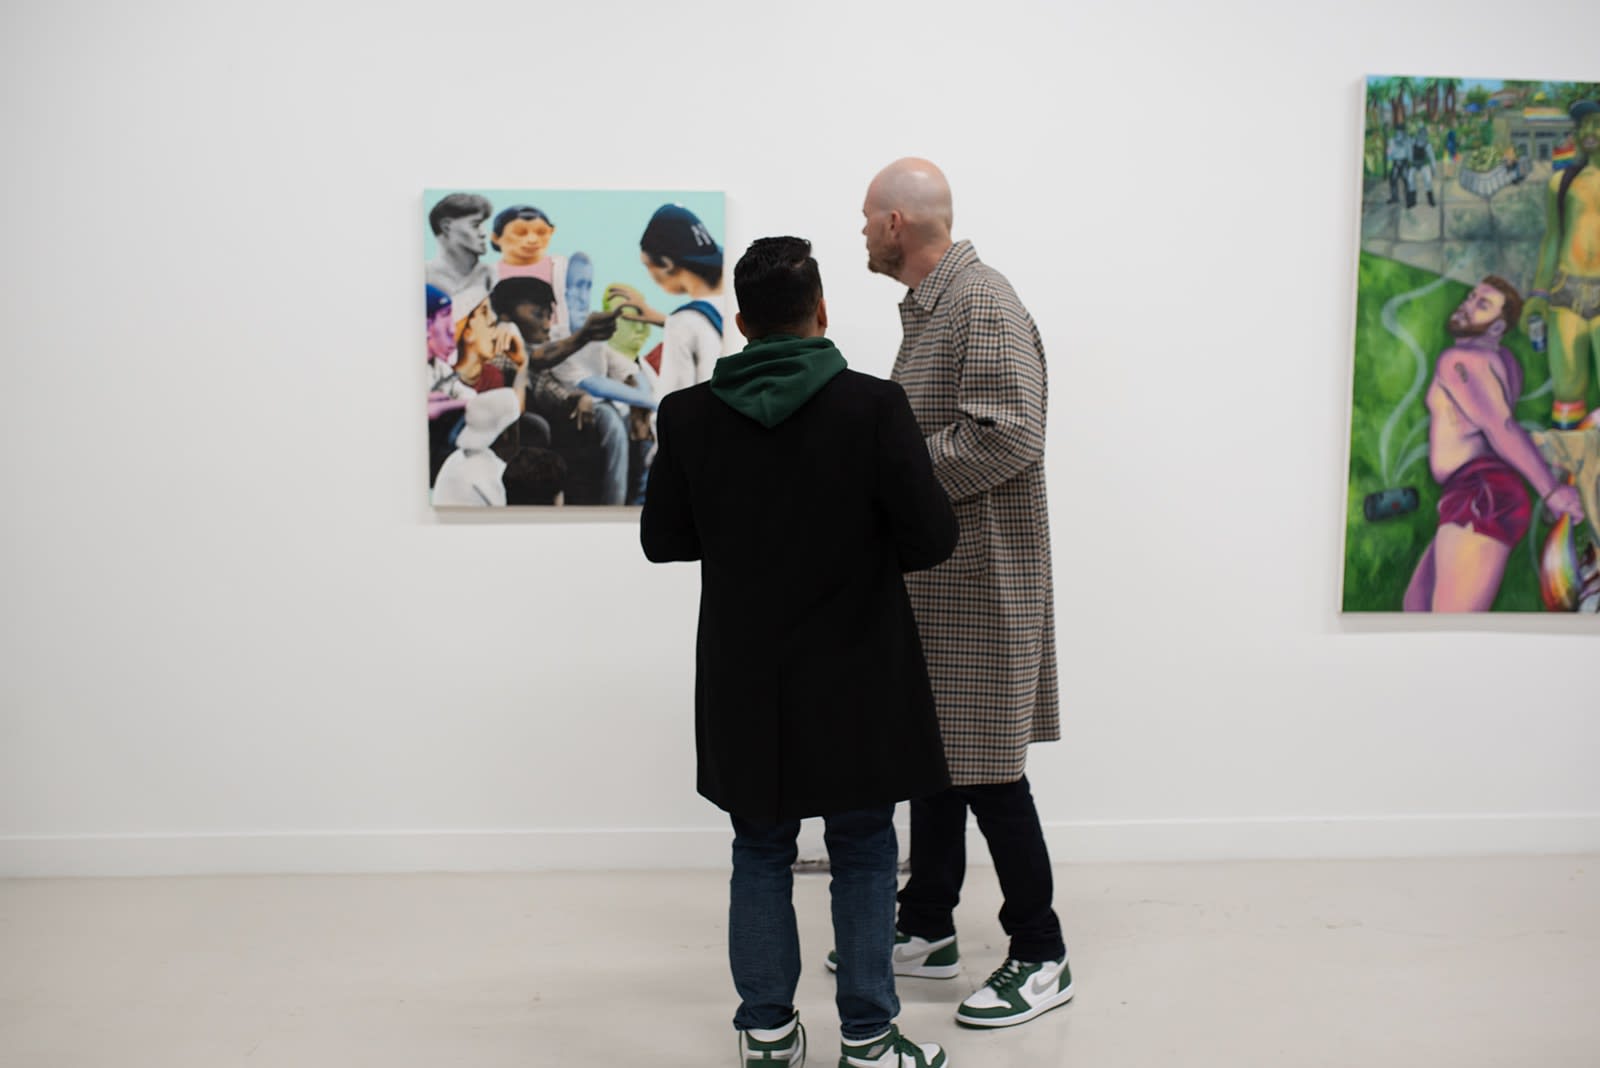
(957, 258)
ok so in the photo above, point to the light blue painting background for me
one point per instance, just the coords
(605, 224)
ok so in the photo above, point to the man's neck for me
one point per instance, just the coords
(921, 263)
(460, 260)
(1486, 342)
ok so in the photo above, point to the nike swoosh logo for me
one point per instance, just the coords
(904, 953)
(1039, 990)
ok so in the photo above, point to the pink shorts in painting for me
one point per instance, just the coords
(1486, 496)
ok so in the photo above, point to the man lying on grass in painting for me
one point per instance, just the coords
(1480, 456)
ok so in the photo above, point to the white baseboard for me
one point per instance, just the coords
(646, 848)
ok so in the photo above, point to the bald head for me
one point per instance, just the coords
(907, 212)
(918, 191)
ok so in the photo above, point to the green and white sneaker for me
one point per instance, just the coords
(919, 958)
(785, 1045)
(1016, 993)
(890, 1050)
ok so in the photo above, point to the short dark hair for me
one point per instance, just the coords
(511, 214)
(457, 206)
(778, 285)
(518, 290)
(1512, 312)
(533, 476)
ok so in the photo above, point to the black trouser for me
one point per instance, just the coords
(1397, 176)
(1010, 824)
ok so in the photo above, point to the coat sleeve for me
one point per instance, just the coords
(999, 428)
(666, 526)
(914, 505)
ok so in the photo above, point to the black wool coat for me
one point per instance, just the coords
(811, 692)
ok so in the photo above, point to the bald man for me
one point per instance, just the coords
(972, 364)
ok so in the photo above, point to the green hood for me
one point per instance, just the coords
(774, 376)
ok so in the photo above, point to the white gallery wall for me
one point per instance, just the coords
(236, 638)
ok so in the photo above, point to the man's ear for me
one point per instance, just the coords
(822, 316)
(1497, 329)
(738, 320)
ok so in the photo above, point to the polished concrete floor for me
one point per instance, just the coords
(1420, 964)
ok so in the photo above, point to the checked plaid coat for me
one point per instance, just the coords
(972, 364)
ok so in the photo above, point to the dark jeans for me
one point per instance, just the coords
(764, 945)
(596, 456)
(1010, 823)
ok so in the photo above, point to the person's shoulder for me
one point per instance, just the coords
(685, 399)
(979, 281)
(856, 395)
(859, 383)
(1468, 360)
(981, 288)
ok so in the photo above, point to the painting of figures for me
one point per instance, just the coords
(555, 323)
(1474, 476)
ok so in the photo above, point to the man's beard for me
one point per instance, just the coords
(888, 263)
(1461, 329)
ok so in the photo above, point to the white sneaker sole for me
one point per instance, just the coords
(1055, 1002)
(915, 971)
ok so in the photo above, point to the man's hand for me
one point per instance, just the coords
(598, 327)
(582, 410)
(637, 310)
(639, 424)
(508, 344)
(1564, 500)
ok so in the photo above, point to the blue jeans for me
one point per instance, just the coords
(596, 456)
(764, 945)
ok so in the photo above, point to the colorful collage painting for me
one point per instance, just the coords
(556, 322)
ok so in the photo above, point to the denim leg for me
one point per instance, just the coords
(638, 469)
(863, 856)
(612, 431)
(1009, 821)
(763, 943)
(938, 866)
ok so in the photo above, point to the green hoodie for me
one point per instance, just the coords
(775, 375)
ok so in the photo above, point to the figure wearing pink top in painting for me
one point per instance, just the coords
(522, 236)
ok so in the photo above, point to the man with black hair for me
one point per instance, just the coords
(529, 303)
(805, 491)
(592, 437)
(457, 222)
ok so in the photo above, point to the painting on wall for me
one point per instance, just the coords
(556, 322)
(1474, 477)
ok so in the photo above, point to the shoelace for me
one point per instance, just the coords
(1006, 977)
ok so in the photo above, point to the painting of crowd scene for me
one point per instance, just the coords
(556, 322)
(1474, 478)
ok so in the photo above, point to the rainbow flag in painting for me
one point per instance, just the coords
(1562, 156)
